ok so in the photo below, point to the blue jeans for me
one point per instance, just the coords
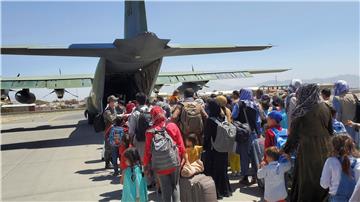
(114, 158)
(246, 156)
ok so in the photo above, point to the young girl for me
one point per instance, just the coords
(125, 143)
(341, 169)
(193, 151)
(135, 187)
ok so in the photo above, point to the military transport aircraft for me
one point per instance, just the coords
(126, 66)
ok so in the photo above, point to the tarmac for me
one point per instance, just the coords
(57, 157)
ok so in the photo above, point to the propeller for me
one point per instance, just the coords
(72, 94)
(60, 93)
(48, 94)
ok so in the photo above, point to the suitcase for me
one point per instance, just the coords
(258, 148)
(199, 188)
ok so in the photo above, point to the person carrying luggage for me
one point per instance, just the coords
(341, 170)
(139, 121)
(164, 154)
(115, 135)
(275, 135)
(135, 187)
(189, 116)
(246, 111)
(216, 162)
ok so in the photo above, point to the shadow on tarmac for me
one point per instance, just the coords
(43, 127)
(93, 161)
(253, 191)
(113, 195)
(83, 135)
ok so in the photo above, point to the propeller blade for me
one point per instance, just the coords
(71, 94)
(48, 94)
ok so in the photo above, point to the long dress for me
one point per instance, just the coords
(311, 135)
(215, 163)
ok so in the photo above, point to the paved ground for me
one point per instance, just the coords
(56, 157)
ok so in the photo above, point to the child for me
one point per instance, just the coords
(125, 143)
(342, 169)
(278, 105)
(275, 135)
(193, 151)
(135, 187)
(115, 136)
(338, 127)
(273, 174)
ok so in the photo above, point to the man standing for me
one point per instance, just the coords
(109, 119)
(139, 122)
(190, 116)
(344, 103)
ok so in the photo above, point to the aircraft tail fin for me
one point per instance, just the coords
(135, 18)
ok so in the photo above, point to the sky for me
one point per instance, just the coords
(315, 40)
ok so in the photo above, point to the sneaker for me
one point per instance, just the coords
(253, 180)
(245, 181)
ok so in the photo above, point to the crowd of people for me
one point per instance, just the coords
(309, 137)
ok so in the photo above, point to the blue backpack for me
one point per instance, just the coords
(116, 133)
(280, 137)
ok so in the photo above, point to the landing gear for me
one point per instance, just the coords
(90, 117)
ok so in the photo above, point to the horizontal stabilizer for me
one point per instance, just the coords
(178, 50)
(84, 50)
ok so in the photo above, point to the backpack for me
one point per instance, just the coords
(164, 151)
(143, 123)
(243, 132)
(347, 184)
(280, 137)
(116, 134)
(99, 123)
(225, 136)
(357, 110)
(191, 119)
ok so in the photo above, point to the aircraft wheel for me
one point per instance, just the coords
(90, 118)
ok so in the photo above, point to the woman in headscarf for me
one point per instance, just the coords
(215, 163)
(169, 178)
(309, 137)
(245, 150)
(345, 106)
(290, 101)
(234, 158)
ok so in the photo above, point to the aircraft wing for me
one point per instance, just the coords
(85, 50)
(196, 76)
(51, 82)
(110, 49)
(178, 50)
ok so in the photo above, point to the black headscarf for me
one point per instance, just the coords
(307, 97)
(214, 108)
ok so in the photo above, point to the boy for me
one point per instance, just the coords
(338, 127)
(275, 135)
(115, 135)
(273, 174)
